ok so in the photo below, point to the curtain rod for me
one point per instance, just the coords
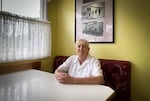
(21, 17)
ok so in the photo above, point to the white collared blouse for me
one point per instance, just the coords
(90, 67)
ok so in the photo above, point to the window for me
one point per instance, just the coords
(22, 36)
(28, 8)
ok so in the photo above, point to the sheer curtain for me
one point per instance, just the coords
(23, 38)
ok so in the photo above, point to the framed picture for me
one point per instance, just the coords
(94, 21)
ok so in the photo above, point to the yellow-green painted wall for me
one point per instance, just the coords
(132, 38)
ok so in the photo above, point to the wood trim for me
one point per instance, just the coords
(7, 68)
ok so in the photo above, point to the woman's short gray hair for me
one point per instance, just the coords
(83, 41)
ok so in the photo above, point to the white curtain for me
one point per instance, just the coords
(23, 38)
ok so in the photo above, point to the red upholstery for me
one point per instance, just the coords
(116, 74)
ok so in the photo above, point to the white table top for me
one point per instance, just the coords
(35, 85)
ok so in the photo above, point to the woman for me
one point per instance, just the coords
(81, 68)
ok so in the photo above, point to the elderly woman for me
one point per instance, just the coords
(81, 68)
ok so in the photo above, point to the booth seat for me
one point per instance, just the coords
(117, 75)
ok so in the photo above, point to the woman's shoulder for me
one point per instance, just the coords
(72, 57)
(92, 57)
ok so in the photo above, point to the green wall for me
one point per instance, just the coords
(132, 36)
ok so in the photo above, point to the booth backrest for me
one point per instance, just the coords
(116, 74)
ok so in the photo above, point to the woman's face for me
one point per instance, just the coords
(82, 49)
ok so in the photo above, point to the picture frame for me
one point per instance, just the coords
(94, 20)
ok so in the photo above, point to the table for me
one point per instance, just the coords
(35, 85)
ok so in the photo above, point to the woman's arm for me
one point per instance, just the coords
(89, 80)
(66, 78)
(59, 75)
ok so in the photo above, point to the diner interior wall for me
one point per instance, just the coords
(132, 38)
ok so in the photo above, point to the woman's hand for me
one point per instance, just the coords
(64, 78)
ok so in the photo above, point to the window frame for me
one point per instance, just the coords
(43, 9)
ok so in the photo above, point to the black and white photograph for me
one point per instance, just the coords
(94, 20)
(93, 28)
(93, 11)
